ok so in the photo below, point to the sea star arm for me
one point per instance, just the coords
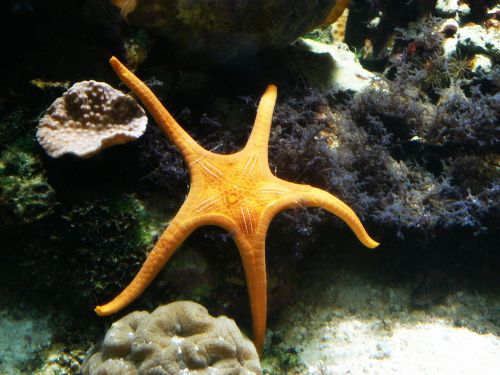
(308, 196)
(177, 231)
(254, 264)
(187, 145)
(259, 137)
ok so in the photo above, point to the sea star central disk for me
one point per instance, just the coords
(237, 192)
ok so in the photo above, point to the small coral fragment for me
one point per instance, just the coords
(89, 117)
(339, 26)
(42, 84)
(336, 12)
(178, 338)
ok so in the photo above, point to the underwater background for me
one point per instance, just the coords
(392, 106)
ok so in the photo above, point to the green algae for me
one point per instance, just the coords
(280, 358)
(25, 194)
(109, 236)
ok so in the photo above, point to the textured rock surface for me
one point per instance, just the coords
(478, 39)
(25, 194)
(227, 29)
(90, 116)
(447, 7)
(180, 337)
(328, 67)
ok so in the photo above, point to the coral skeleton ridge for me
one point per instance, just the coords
(237, 192)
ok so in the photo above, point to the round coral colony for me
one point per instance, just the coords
(89, 117)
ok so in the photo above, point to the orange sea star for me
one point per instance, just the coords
(237, 192)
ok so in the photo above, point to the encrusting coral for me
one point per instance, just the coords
(177, 338)
(237, 192)
(89, 117)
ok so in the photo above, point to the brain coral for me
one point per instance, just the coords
(88, 117)
(178, 338)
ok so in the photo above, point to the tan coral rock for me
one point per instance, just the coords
(89, 117)
(178, 338)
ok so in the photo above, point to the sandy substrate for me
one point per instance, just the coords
(344, 322)
(357, 347)
(23, 335)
